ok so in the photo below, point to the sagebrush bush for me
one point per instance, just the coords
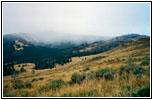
(86, 69)
(107, 73)
(41, 78)
(128, 87)
(100, 73)
(108, 76)
(144, 63)
(22, 69)
(18, 84)
(139, 70)
(77, 78)
(126, 69)
(28, 84)
(136, 70)
(34, 79)
(143, 92)
(56, 84)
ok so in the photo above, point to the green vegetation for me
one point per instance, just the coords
(8, 68)
(78, 78)
(92, 93)
(86, 69)
(67, 95)
(41, 78)
(28, 84)
(136, 70)
(22, 69)
(24, 93)
(18, 84)
(107, 73)
(144, 63)
(143, 92)
(34, 79)
(91, 75)
(56, 84)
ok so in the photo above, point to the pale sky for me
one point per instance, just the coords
(92, 18)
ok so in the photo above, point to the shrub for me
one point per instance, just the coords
(86, 69)
(108, 76)
(139, 71)
(22, 70)
(56, 84)
(28, 84)
(18, 84)
(143, 92)
(107, 73)
(122, 69)
(129, 69)
(144, 63)
(34, 79)
(126, 69)
(100, 73)
(77, 78)
(128, 87)
(41, 78)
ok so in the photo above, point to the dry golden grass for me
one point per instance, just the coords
(20, 44)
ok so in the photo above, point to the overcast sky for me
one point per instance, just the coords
(105, 19)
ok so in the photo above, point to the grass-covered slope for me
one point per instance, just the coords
(121, 72)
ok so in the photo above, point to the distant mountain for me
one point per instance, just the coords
(53, 41)
(132, 36)
(101, 46)
(24, 37)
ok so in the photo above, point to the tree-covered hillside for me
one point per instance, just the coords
(46, 57)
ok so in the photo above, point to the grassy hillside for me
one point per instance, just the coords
(120, 72)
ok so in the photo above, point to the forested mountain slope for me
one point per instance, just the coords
(24, 49)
